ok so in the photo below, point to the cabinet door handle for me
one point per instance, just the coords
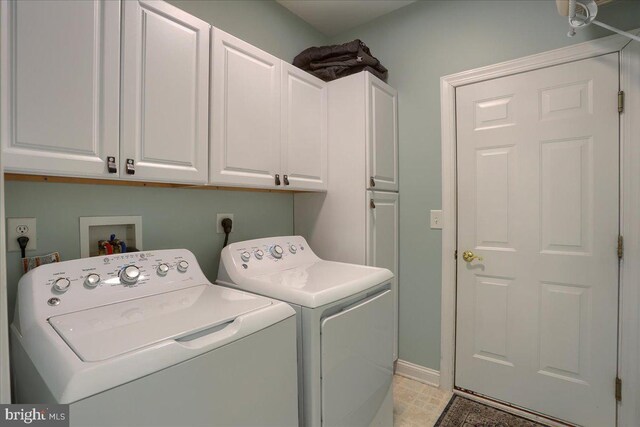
(277, 179)
(131, 169)
(111, 164)
(372, 182)
(286, 179)
(372, 204)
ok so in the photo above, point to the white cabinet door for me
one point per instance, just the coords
(304, 130)
(245, 120)
(382, 242)
(382, 135)
(165, 93)
(60, 86)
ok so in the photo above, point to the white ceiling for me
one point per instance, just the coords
(332, 17)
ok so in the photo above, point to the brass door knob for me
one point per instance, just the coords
(469, 256)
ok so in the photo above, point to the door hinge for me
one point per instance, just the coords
(620, 101)
(620, 247)
(618, 389)
(455, 254)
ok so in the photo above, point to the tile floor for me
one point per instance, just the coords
(416, 404)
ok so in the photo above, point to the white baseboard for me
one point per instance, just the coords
(418, 373)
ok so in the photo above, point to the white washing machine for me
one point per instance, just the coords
(143, 339)
(345, 326)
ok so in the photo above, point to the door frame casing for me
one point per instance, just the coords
(629, 321)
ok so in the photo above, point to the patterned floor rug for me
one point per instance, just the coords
(461, 412)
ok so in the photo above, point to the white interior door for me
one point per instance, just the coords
(304, 129)
(538, 201)
(165, 95)
(382, 244)
(245, 121)
(61, 88)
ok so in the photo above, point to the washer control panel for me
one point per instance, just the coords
(90, 282)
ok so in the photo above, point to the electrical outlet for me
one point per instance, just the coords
(219, 219)
(436, 220)
(17, 227)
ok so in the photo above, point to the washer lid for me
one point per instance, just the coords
(111, 330)
(316, 284)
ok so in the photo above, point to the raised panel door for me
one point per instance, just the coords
(60, 86)
(245, 121)
(382, 135)
(165, 96)
(304, 129)
(382, 243)
(538, 200)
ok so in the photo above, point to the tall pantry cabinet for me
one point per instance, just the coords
(356, 221)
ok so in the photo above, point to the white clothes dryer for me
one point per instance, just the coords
(345, 326)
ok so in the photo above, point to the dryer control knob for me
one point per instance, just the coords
(162, 269)
(246, 256)
(293, 249)
(129, 275)
(259, 254)
(183, 266)
(62, 284)
(276, 251)
(92, 280)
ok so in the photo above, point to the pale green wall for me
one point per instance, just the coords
(171, 218)
(264, 24)
(419, 44)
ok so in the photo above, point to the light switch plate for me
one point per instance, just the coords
(17, 227)
(436, 220)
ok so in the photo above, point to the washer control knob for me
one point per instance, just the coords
(61, 284)
(92, 280)
(162, 269)
(259, 254)
(276, 251)
(246, 256)
(293, 249)
(130, 275)
(183, 266)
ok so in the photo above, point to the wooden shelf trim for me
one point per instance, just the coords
(95, 181)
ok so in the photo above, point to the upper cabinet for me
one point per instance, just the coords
(245, 118)
(165, 94)
(268, 120)
(304, 129)
(60, 86)
(165, 98)
(382, 134)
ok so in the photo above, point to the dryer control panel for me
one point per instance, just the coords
(260, 256)
(79, 284)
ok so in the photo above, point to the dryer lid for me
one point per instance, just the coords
(318, 283)
(111, 330)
